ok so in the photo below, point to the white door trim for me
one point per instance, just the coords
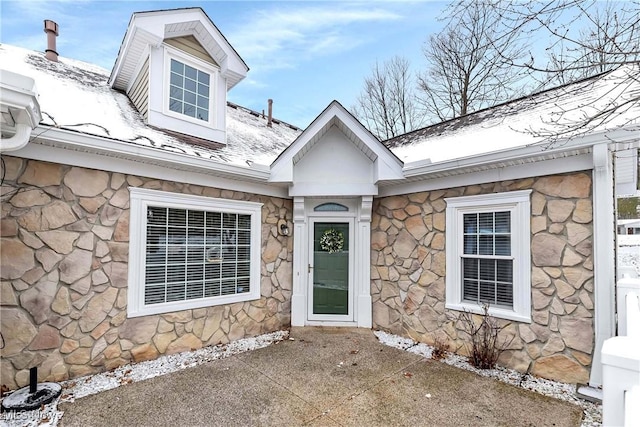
(349, 317)
(360, 212)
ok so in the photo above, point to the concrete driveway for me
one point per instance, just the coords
(325, 377)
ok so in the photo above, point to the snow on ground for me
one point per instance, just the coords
(629, 256)
(49, 416)
(625, 240)
(629, 252)
(557, 390)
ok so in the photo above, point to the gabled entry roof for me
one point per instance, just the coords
(336, 122)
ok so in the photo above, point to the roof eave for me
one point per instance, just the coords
(560, 149)
(78, 141)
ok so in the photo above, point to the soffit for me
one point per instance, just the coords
(197, 30)
(136, 52)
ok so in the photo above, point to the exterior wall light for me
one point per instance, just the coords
(283, 227)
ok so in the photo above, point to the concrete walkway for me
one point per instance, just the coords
(325, 377)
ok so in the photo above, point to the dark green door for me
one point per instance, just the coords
(331, 268)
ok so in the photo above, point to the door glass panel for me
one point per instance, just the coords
(331, 268)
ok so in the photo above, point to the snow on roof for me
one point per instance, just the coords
(547, 118)
(75, 95)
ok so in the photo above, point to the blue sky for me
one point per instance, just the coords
(301, 54)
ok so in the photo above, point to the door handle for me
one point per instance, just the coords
(309, 269)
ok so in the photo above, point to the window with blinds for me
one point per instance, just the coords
(192, 254)
(487, 264)
(188, 251)
(488, 254)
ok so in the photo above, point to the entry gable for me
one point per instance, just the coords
(335, 156)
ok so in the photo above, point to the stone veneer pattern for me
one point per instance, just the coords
(64, 259)
(408, 274)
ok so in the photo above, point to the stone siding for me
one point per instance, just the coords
(408, 274)
(64, 266)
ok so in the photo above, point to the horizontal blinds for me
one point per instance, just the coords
(488, 281)
(195, 254)
(487, 264)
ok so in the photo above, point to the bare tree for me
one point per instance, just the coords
(583, 38)
(608, 37)
(466, 66)
(386, 105)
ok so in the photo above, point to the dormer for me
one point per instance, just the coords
(176, 68)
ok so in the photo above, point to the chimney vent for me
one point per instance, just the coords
(270, 112)
(51, 28)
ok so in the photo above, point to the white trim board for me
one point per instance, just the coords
(359, 216)
(548, 167)
(140, 200)
(198, 176)
(519, 205)
(78, 141)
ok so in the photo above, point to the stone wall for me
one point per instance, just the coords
(64, 263)
(408, 274)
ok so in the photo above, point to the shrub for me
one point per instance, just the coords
(440, 347)
(484, 346)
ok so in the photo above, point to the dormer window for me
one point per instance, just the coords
(191, 91)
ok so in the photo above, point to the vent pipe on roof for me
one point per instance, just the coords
(270, 112)
(51, 28)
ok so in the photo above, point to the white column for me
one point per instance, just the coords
(603, 256)
(300, 245)
(363, 264)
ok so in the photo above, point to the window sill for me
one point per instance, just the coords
(497, 312)
(171, 307)
(194, 127)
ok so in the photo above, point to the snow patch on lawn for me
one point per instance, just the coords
(134, 372)
(567, 392)
(629, 256)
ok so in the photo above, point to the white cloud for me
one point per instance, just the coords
(286, 36)
(89, 31)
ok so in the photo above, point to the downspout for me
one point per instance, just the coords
(603, 256)
(17, 141)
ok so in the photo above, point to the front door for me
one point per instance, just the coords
(330, 270)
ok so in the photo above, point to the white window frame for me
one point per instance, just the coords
(192, 61)
(140, 199)
(516, 202)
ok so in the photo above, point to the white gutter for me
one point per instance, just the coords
(77, 141)
(422, 167)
